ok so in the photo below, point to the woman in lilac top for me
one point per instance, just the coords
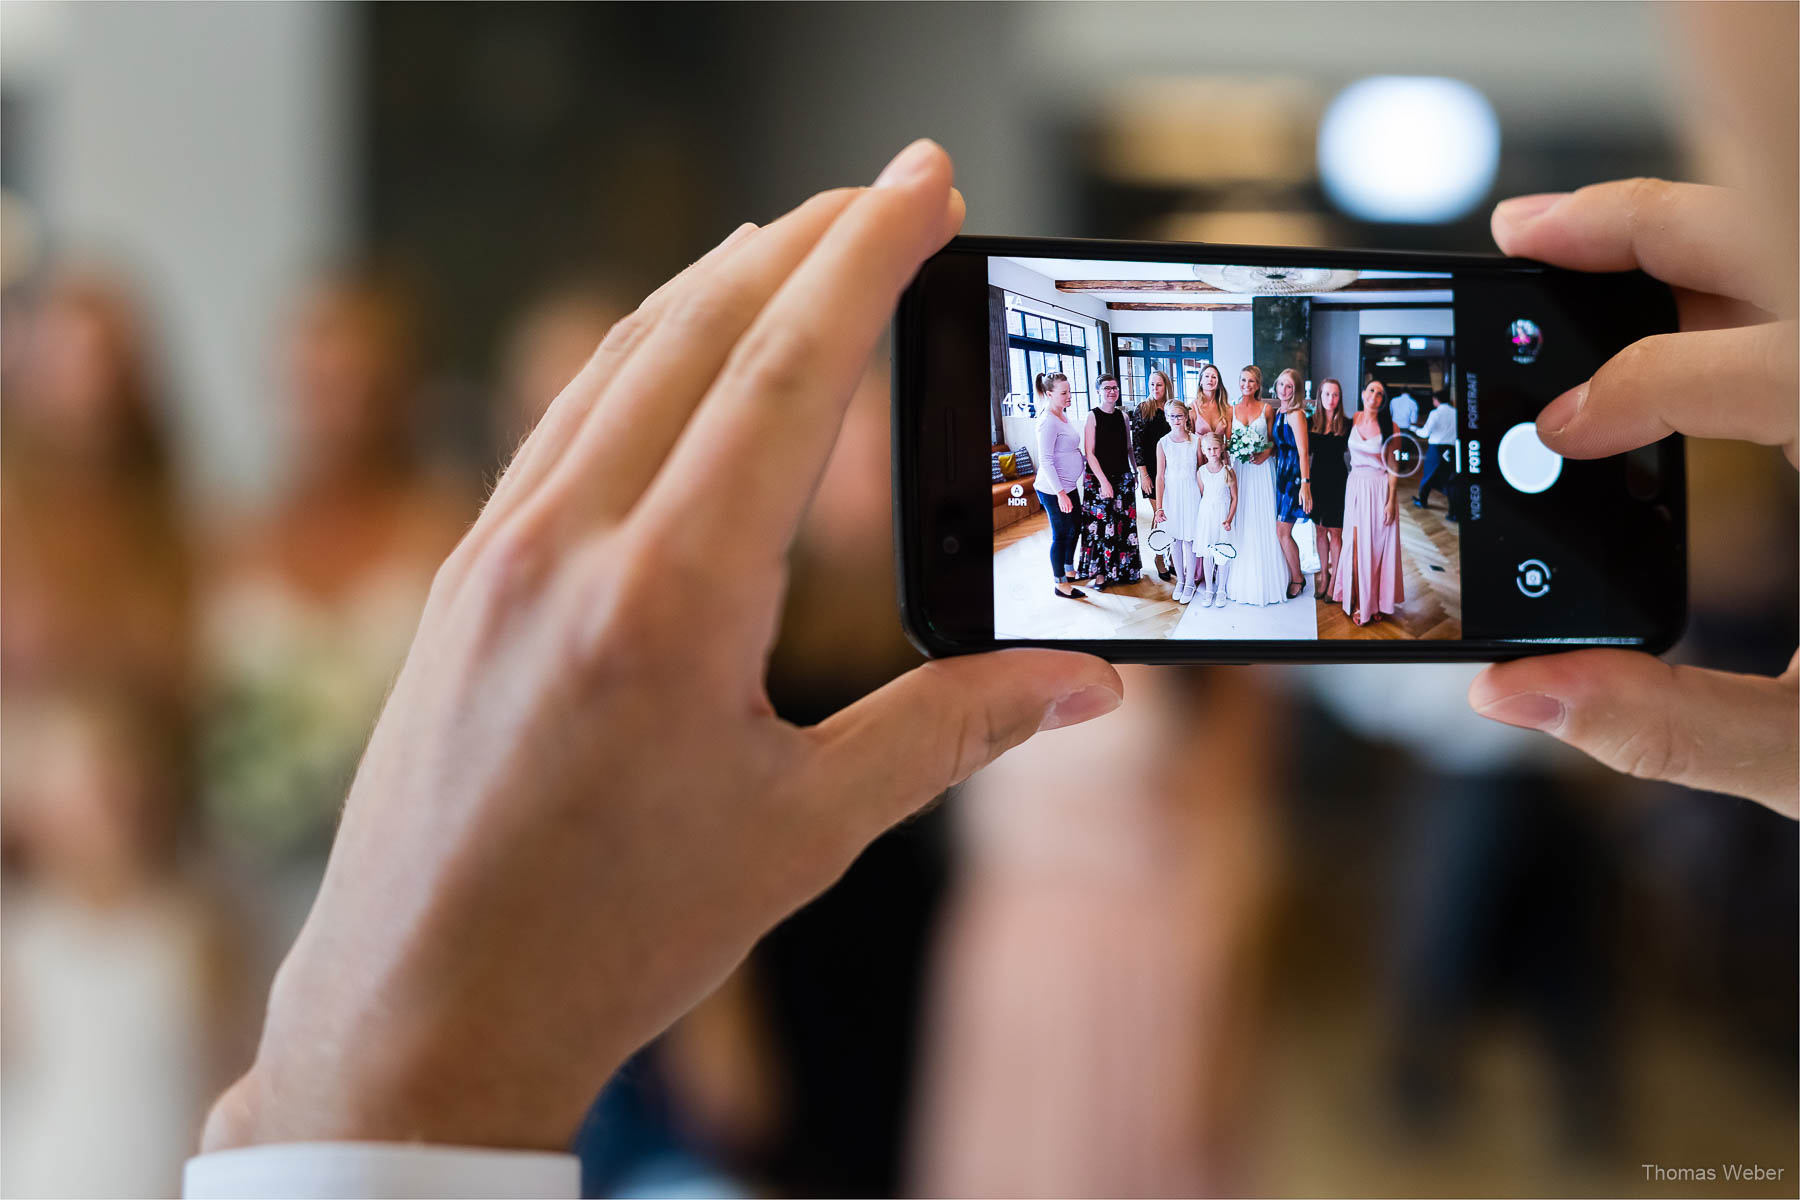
(1059, 465)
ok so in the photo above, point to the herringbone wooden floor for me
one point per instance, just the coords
(1026, 607)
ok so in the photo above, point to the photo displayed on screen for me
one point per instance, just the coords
(1224, 452)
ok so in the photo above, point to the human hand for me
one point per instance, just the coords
(579, 811)
(1730, 373)
(1225, 525)
(1106, 489)
(1306, 497)
(1390, 511)
(1063, 502)
(1144, 481)
(1158, 518)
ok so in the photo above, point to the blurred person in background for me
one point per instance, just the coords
(1092, 1028)
(1439, 432)
(549, 341)
(93, 547)
(1504, 902)
(119, 978)
(310, 607)
(122, 982)
(1402, 411)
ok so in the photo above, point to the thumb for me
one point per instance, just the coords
(896, 749)
(1634, 713)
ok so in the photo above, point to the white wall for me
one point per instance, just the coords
(1337, 350)
(1021, 431)
(207, 146)
(1023, 281)
(1233, 347)
(1131, 320)
(1420, 322)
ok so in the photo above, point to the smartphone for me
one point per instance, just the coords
(1376, 442)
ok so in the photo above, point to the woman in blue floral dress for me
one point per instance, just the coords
(1293, 475)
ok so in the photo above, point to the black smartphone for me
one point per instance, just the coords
(1356, 423)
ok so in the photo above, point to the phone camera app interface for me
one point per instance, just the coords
(1228, 452)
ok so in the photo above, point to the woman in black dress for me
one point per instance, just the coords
(1329, 436)
(1149, 425)
(1109, 540)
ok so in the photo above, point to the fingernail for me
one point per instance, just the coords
(1521, 209)
(1527, 710)
(1559, 412)
(907, 166)
(1076, 707)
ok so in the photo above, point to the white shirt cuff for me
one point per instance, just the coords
(328, 1170)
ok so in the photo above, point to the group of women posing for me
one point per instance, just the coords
(1231, 523)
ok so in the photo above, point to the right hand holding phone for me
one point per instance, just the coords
(1731, 372)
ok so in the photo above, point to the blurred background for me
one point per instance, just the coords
(285, 283)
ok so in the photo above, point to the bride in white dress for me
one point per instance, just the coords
(1259, 573)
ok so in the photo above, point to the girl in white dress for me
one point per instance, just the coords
(1259, 574)
(1212, 525)
(1178, 494)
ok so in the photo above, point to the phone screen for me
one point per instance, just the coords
(1297, 452)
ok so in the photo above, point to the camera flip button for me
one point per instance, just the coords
(1533, 578)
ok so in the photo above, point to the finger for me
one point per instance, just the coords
(650, 394)
(1686, 234)
(1721, 383)
(548, 441)
(1634, 713)
(762, 435)
(894, 750)
(1704, 310)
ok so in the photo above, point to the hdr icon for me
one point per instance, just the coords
(1017, 499)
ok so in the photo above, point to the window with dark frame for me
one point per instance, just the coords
(1036, 344)
(1181, 356)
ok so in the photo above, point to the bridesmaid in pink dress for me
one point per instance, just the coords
(1372, 586)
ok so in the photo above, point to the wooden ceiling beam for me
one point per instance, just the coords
(1133, 285)
(1195, 285)
(1166, 307)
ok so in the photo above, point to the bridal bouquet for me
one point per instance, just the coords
(1246, 443)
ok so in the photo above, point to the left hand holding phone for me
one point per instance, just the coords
(578, 810)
